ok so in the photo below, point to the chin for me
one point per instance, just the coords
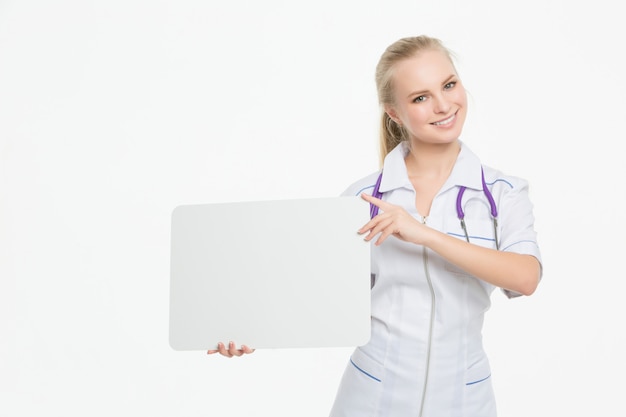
(449, 139)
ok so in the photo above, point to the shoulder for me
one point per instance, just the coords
(469, 166)
(499, 181)
(365, 184)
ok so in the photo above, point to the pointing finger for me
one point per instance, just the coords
(375, 201)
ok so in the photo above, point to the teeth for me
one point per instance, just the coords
(443, 122)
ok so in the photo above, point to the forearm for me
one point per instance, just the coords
(508, 270)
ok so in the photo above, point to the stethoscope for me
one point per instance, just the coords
(459, 206)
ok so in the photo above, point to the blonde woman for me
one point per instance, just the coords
(446, 230)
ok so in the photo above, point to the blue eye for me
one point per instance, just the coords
(449, 85)
(419, 99)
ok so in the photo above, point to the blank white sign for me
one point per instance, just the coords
(270, 274)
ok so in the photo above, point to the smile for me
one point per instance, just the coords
(445, 121)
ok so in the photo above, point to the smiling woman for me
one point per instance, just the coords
(431, 279)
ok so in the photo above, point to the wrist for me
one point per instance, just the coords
(428, 237)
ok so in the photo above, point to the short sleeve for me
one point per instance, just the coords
(516, 223)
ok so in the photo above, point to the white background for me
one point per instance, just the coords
(114, 112)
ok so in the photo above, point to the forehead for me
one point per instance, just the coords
(423, 71)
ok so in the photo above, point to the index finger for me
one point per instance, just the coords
(375, 201)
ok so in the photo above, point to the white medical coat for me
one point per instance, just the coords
(425, 357)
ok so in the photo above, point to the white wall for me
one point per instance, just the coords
(114, 112)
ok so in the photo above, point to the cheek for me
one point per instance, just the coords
(461, 97)
(457, 94)
(420, 114)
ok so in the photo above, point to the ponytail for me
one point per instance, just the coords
(391, 134)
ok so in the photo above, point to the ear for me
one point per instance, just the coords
(391, 112)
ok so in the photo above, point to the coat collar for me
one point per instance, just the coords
(466, 171)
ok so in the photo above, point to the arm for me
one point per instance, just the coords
(508, 270)
(512, 271)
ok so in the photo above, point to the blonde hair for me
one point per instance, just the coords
(391, 134)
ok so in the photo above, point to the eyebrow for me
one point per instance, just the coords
(419, 93)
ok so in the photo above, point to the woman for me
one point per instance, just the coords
(437, 251)
(432, 273)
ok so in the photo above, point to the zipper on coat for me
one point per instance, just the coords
(431, 325)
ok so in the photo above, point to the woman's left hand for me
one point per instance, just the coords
(394, 220)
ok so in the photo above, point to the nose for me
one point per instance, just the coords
(441, 104)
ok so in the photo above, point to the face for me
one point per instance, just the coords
(430, 101)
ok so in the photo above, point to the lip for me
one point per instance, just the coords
(446, 122)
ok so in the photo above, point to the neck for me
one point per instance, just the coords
(431, 160)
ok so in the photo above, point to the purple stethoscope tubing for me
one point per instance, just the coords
(376, 193)
(459, 206)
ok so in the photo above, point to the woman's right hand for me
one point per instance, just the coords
(231, 351)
